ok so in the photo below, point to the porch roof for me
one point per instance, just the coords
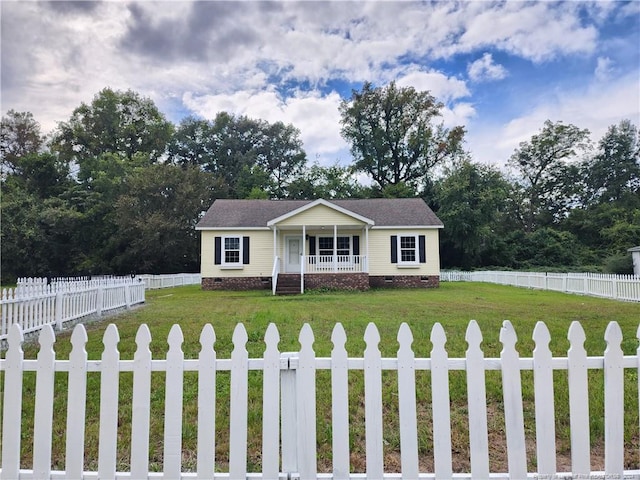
(384, 212)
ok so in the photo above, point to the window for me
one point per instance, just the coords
(232, 250)
(343, 246)
(407, 249)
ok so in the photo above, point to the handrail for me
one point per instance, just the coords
(274, 274)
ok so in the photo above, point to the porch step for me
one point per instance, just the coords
(288, 284)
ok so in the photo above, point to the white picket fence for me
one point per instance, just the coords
(35, 302)
(170, 280)
(289, 413)
(617, 287)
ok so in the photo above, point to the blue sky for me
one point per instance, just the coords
(500, 68)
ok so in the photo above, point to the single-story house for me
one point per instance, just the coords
(290, 245)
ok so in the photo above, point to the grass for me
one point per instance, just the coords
(453, 305)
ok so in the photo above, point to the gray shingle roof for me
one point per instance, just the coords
(390, 212)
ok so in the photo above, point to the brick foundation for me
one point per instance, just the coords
(337, 281)
(404, 281)
(236, 283)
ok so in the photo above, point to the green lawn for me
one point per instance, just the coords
(453, 305)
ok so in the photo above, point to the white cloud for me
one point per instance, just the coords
(485, 69)
(444, 88)
(595, 108)
(604, 69)
(535, 31)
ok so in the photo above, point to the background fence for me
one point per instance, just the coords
(36, 302)
(617, 287)
(289, 414)
(172, 280)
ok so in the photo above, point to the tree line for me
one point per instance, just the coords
(118, 189)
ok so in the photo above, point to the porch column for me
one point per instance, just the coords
(303, 258)
(335, 249)
(275, 242)
(366, 233)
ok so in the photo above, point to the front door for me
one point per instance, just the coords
(293, 254)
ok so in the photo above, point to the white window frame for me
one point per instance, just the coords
(416, 249)
(223, 248)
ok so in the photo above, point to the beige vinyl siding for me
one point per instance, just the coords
(260, 254)
(380, 252)
(319, 215)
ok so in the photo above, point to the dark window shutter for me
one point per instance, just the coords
(245, 250)
(356, 245)
(312, 245)
(394, 249)
(421, 246)
(218, 251)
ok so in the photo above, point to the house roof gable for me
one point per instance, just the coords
(315, 203)
(382, 212)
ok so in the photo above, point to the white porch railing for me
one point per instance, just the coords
(335, 263)
(289, 418)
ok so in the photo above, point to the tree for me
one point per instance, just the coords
(393, 136)
(193, 143)
(155, 219)
(472, 205)
(281, 154)
(615, 169)
(326, 182)
(19, 136)
(120, 123)
(547, 182)
(230, 147)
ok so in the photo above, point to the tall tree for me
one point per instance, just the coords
(615, 169)
(233, 147)
(472, 203)
(281, 154)
(121, 123)
(393, 134)
(19, 136)
(155, 219)
(547, 181)
(327, 182)
(192, 143)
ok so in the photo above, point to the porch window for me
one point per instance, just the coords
(325, 246)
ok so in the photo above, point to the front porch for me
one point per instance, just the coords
(321, 256)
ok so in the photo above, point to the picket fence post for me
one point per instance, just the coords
(99, 300)
(12, 414)
(271, 404)
(76, 403)
(238, 411)
(340, 403)
(59, 300)
(127, 296)
(206, 403)
(289, 415)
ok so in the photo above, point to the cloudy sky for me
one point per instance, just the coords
(500, 68)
